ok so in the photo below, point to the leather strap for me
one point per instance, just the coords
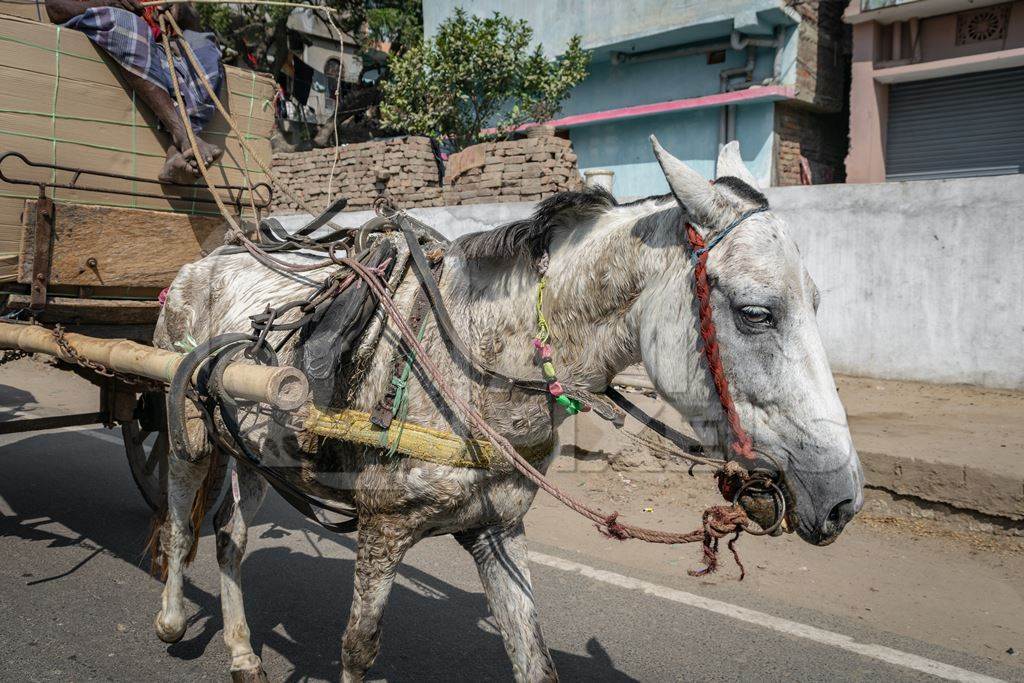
(383, 413)
(444, 321)
(680, 440)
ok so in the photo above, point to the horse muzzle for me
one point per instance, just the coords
(768, 502)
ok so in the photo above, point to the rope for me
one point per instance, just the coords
(717, 522)
(742, 444)
(53, 112)
(275, 3)
(245, 154)
(337, 105)
(233, 227)
(278, 183)
(400, 411)
(135, 159)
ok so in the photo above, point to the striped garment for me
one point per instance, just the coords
(127, 38)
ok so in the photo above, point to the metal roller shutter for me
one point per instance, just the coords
(957, 126)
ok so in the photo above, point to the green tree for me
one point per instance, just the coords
(478, 72)
(398, 22)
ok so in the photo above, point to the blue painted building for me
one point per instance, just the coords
(769, 73)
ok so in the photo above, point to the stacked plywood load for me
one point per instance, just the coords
(66, 103)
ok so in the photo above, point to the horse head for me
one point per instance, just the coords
(763, 304)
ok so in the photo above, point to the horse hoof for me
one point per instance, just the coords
(254, 675)
(170, 631)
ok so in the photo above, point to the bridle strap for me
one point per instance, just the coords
(720, 235)
(681, 441)
(742, 445)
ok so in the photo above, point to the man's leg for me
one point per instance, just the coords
(180, 167)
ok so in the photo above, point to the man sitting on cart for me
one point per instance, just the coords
(129, 33)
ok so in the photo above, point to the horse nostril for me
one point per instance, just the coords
(840, 514)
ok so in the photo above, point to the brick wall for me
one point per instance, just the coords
(823, 54)
(820, 138)
(512, 171)
(815, 127)
(403, 168)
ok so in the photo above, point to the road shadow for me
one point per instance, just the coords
(297, 602)
(13, 402)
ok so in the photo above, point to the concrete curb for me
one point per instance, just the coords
(963, 487)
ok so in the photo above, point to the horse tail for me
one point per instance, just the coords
(157, 556)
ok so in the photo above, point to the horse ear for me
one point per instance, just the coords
(691, 189)
(731, 163)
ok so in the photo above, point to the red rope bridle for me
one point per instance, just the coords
(741, 445)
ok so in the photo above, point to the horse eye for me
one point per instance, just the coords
(757, 315)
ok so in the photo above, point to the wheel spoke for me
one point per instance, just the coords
(140, 437)
(156, 454)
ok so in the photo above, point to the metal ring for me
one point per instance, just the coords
(777, 496)
(385, 207)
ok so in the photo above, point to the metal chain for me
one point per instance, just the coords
(71, 354)
(13, 355)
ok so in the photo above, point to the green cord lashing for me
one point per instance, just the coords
(542, 324)
(400, 408)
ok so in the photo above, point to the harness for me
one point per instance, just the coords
(210, 358)
(382, 430)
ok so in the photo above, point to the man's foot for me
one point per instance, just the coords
(210, 154)
(176, 169)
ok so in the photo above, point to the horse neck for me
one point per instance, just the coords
(597, 272)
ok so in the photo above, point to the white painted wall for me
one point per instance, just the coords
(919, 280)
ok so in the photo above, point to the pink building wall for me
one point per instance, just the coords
(911, 48)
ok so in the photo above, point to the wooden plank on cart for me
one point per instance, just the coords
(66, 102)
(71, 311)
(101, 246)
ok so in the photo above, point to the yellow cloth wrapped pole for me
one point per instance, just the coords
(416, 441)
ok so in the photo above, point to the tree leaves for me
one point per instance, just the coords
(477, 72)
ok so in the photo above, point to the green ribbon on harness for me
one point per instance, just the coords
(400, 408)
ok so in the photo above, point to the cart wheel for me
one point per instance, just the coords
(147, 445)
(147, 458)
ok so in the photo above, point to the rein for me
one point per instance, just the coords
(717, 521)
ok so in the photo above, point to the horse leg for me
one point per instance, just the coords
(500, 555)
(184, 479)
(382, 545)
(232, 522)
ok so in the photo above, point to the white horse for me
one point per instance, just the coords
(619, 291)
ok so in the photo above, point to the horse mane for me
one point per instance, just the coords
(532, 235)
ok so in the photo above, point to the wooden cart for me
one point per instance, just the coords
(133, 254)
(88, 237)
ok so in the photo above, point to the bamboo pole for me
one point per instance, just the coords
(285, 388)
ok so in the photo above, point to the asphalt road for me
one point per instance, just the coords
(77, 604)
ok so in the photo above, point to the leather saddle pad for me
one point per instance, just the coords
(329, 337)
